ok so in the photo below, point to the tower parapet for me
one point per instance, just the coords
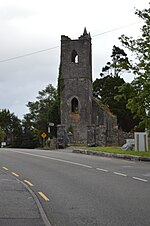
(85, 35)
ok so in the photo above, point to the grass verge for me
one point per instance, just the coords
(117, 150)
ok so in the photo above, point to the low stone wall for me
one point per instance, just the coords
(122, 136)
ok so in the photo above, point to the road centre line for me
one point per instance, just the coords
(120, 174)
(28, 182)
(74, 163)
(140, 179)
(15, 174)
(55, 159)
(5, 168)
(43, 196)
(103, 170)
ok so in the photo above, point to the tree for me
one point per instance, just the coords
(107, 88)
(16, 131)
(29, 136)
(11, 125)
(2, 135)
(120, 63)
(43, 111)
(139, 103)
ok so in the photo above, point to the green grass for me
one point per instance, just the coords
(117, 150)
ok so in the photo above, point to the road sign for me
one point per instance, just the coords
(43, 135)
(51, 124)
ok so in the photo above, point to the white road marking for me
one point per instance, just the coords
(103, 170)
(5, 168)
(120, 174)
(140, 179)
(73, 163)
(55, 159)
(15, 174)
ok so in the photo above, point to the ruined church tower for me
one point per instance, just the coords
(76, 92)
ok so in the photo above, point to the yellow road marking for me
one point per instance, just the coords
(28, 182)
(5, 168)
(15, 174)
(43, 196)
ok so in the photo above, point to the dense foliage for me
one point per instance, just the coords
(10, 127)
(42, 112)
(129, 101)
(107, 88)
(27, 133)
(139, 101)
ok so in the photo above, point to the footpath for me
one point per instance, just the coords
(18, 206)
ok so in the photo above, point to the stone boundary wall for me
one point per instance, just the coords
(122, 136)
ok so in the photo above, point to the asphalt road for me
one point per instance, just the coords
(77, 190)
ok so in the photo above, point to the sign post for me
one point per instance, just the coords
(49, 127)
(49, 130)
(43, 135)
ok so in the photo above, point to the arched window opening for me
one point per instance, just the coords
(74, 57)
(74, 105)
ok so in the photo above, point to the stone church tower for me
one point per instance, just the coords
(76, 96)
(80, 113)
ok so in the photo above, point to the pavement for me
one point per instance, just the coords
(18, 204)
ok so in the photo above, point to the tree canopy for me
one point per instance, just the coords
(27, 133)
(139, 101)
(107, 88)
(41, 112)
(129, 100)
(118, 65)
(10, 126)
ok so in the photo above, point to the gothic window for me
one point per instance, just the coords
(74, 105)
(74, 57)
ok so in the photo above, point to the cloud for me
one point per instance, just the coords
(14, 12)
(29, 25)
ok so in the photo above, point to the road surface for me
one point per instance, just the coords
(81, 190)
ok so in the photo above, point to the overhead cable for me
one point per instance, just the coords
(48, 49)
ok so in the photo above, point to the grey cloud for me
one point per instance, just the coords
(14, 12)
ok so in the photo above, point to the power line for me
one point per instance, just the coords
(115, 29)
(28, 54)
(48, 49)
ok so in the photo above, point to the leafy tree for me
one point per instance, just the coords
(120, 63)
(107, 88)
(139, 103)
(43, 111)
(2, 134)
(11, 125)
(16, 131)
(29, 136)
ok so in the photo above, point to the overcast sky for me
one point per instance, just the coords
(29, 26)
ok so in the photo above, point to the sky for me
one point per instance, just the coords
(30, 33)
